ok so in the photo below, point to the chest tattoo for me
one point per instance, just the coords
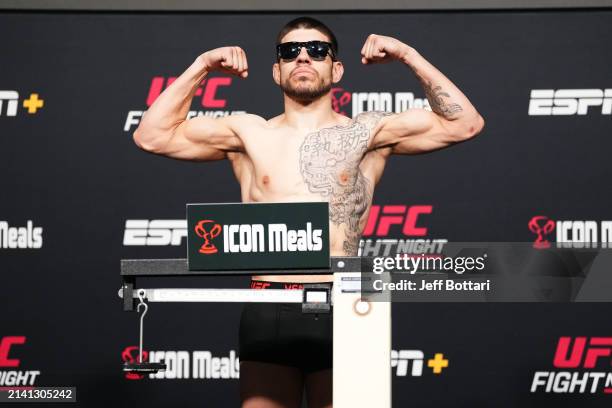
(329, 164)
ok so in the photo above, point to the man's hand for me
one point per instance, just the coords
(226, 59)
(380, 49)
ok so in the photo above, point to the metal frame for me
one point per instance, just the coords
(131, 269)
(172, 267)
(352, 328)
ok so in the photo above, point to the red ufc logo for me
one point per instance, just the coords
(5, 348)
(208, 90)
(407, 216)
(598, 347)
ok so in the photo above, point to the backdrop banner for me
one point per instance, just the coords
(78, 196)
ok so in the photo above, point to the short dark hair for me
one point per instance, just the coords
(309, 22)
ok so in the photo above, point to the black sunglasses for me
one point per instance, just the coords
(317, 50)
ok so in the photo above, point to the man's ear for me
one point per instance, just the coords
(337, 71)
(276, 73)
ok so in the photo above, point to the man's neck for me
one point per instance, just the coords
(309, 116)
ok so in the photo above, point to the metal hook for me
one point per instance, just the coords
(141, 294)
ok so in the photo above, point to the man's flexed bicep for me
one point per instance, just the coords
(202, 139)
(164, 129)
(453, 118)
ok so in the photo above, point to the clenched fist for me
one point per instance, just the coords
(226, 59)
(381, 49)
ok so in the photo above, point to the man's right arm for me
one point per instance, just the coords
(164, 128)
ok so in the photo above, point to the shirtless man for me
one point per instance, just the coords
(308, 153)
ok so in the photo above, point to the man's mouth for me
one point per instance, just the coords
(302, 71)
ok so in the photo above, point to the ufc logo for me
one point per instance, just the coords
(388, 215)
(597, 347)
(207, 90)
(547, 102)
(402, 358)
(5, 348)
(154, 232)
(12, 100)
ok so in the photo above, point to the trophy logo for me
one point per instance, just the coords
(541, 226)
(130, 355)
(340, 100)
(207, 230)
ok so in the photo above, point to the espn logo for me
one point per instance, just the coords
(154, 232)
(560, 102)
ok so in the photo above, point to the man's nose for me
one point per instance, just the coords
(303, 56)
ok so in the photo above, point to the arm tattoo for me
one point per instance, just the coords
(329, 164)
(438, 105)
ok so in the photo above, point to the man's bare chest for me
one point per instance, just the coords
(323, 162)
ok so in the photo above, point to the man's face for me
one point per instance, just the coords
(304, 78)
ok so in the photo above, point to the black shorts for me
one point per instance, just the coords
(280, 333)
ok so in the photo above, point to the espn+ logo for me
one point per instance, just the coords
(9, 102)
(402, 360)
(564, 102)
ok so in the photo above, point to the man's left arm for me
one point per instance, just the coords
(454, 119)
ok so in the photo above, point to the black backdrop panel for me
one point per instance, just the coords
(72, 168)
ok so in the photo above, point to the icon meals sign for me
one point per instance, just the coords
(258, 236)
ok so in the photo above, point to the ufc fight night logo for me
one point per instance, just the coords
(578, 353)
(209, 96)
(381, 218)
(405, 220)
(563, 102)
(10, 347)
